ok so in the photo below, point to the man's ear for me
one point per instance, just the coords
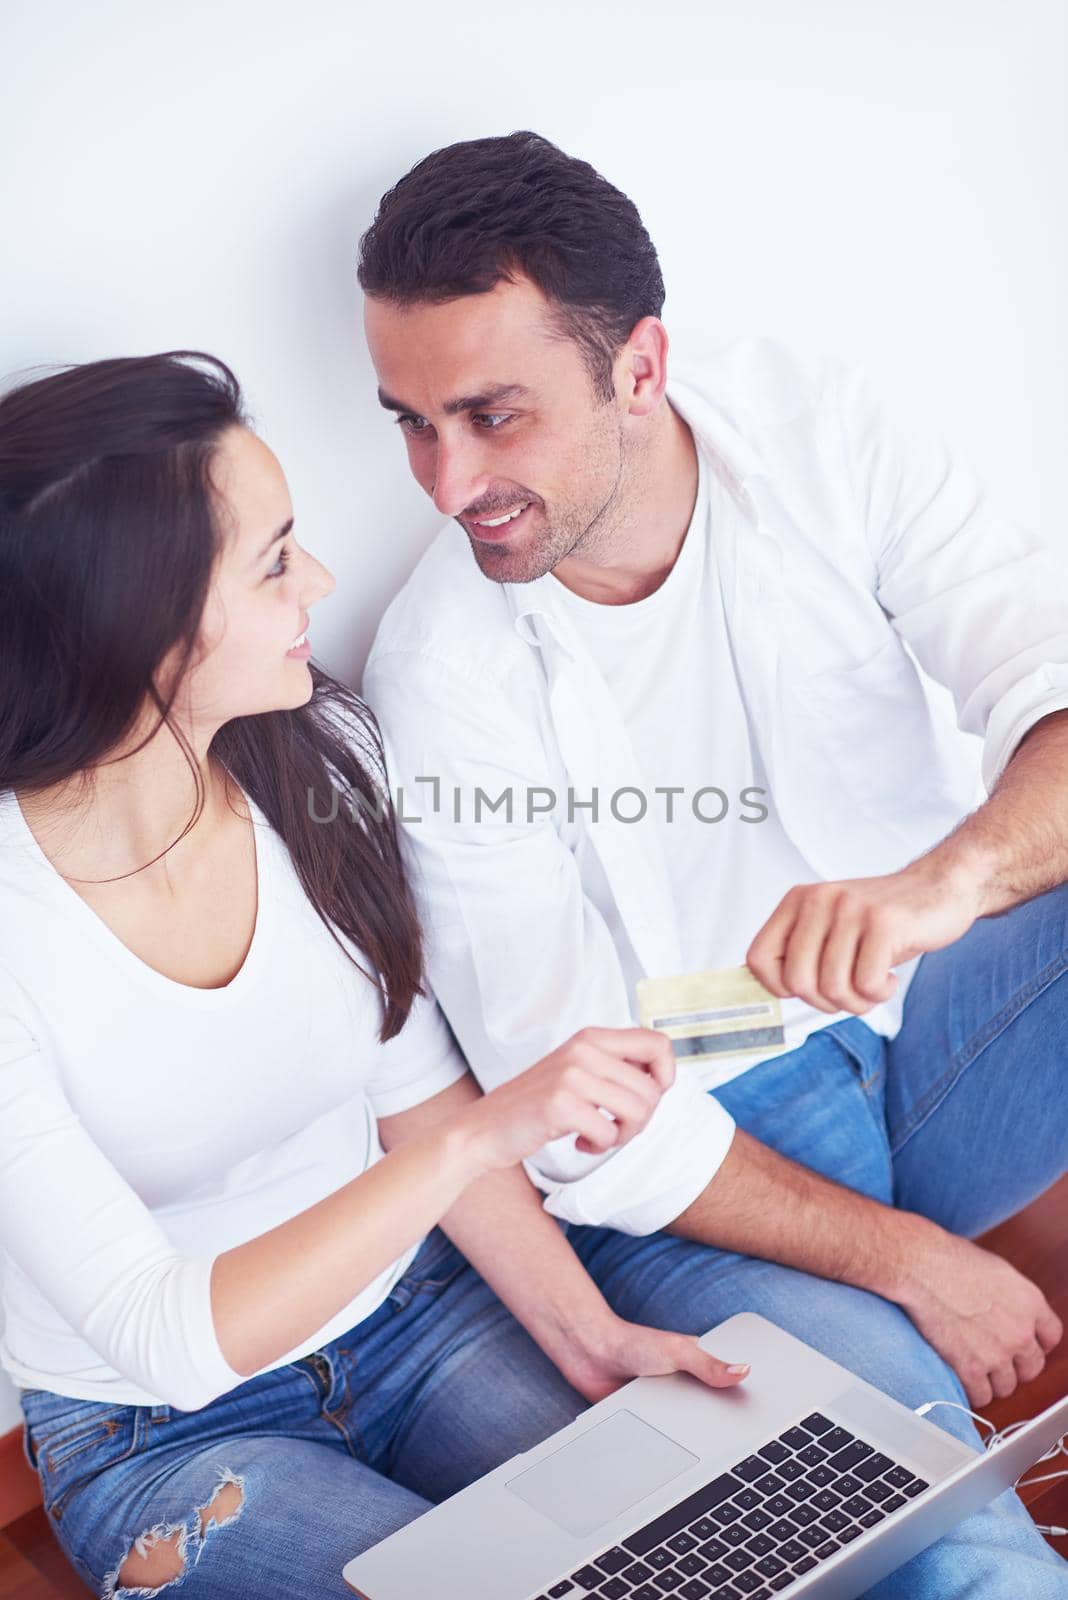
(641, 367)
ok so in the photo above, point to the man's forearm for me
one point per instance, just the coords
(1015, 845)
(760, 1203)
(989, 1322)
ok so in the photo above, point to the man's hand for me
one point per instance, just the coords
(601, 1360)
(834, 944)
(990, 1323)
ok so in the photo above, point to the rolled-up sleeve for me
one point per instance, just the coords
(116, 1278)
(518, 955)
(981, 602)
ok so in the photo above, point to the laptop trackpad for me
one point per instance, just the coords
(598, 1475)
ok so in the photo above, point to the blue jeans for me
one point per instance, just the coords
(330, 1453)
(963, 1117)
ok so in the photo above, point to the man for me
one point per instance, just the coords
(648, 701)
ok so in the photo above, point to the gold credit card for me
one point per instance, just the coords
(709, 1014)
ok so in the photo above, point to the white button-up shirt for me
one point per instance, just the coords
(855, 543)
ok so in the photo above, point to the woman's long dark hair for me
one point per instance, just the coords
(108, 538)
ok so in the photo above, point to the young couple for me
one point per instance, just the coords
(275, 1276)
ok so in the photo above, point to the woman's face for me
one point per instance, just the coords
(253, 653)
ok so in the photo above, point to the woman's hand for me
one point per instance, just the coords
(622, 1070)
(500, 1225)
(598, 1365)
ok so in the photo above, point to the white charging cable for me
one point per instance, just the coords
(998, 1436)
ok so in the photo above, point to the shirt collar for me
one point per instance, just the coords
(720, 438)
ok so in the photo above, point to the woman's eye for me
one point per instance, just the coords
(280, 565)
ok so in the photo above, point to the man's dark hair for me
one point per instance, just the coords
(486, 210)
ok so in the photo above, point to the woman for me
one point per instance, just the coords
(245, 1351)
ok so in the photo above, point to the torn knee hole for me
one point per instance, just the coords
(159, 1557)
(223, 1506)
(153, 1561)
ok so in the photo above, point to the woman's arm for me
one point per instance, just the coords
(185, 1327)
(500, 1225)
(273, 1291)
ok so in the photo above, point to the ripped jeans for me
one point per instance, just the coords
(326, 1455)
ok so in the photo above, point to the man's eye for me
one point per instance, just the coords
(492, 419)
(410, 424)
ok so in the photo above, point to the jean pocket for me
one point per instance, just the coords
(70, 1455)
(76, 1441)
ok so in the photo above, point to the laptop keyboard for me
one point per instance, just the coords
(756, 1529)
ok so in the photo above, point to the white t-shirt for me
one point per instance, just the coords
(668, 662)
(146, 1126)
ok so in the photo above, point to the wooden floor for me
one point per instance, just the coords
(1037, 1242)
(33, 1568)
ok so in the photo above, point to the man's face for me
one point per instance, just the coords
(500, 416)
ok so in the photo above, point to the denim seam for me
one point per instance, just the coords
(974, 1047)
(857, 1066)
(339, 1415)
(336, 1421)
(353, 1430)
(308, 1378)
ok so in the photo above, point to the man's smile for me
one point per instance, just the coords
(491, 530)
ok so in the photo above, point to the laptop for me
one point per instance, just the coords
(804, 1480)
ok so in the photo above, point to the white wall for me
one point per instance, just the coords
(882, 179)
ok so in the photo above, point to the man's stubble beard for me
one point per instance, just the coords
(575, 533)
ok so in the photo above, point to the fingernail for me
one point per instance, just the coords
(740, 1370)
